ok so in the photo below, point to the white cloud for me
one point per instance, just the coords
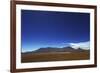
(83, 45)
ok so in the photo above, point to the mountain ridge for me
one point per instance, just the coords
(55, 49)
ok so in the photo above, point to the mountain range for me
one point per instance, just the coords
(55, 49)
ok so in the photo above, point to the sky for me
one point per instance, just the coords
(53, 29)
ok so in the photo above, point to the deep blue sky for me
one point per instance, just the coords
(53, 29)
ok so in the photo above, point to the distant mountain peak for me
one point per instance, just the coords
(55, 49)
